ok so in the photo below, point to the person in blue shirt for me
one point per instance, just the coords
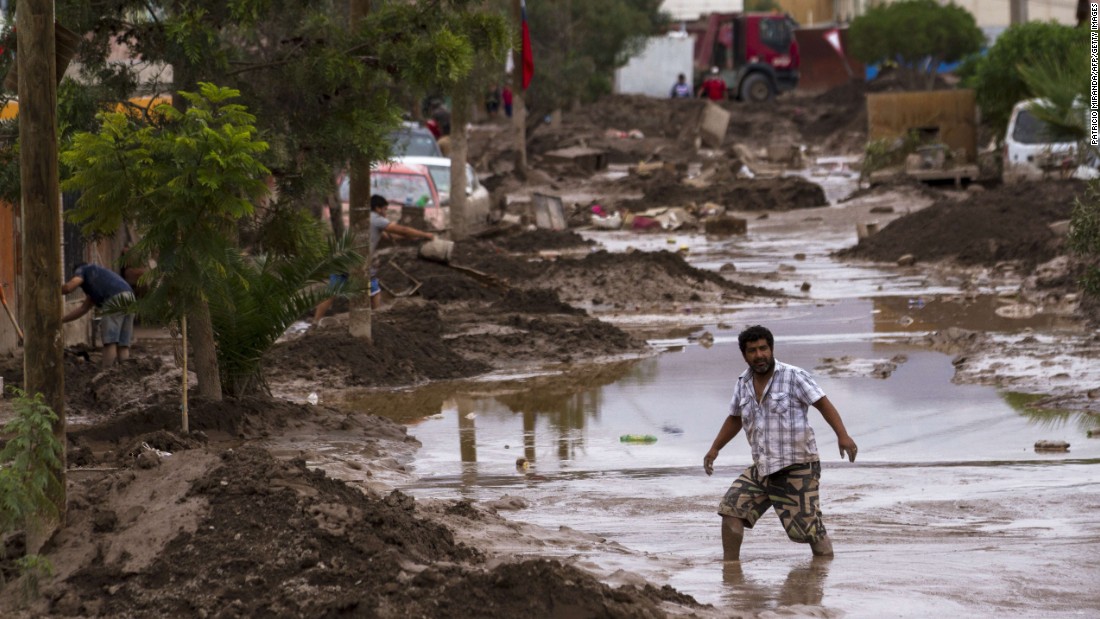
(681, 89)
(101, 285)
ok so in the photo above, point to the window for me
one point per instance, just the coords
(404, 189)
(776, 34)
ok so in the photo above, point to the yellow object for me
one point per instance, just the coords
(637, 438)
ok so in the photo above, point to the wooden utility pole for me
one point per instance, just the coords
(359, 312)
(460, 116)
(519, 110)
(43, 344)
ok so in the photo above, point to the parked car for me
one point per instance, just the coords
(412, 139)
(411, 192)
(477, 196)
(1031, 151)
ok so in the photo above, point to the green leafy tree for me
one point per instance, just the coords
(32, 495)
(185, 183)
(28, 462)
(998, 76)
(918, 35)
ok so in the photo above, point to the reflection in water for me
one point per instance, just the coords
(565, 402)
(977, 313)
(804, 585)
(1030, 405)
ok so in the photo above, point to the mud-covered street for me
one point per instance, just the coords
(467, 462)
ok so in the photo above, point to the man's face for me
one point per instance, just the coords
(759, 356)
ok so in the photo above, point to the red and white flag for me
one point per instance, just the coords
(833, 38)
(528, 59)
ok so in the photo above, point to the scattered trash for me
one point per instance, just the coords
(471, 416)
(162, 454)
(313, 398)
(613, 221)
(1018, 310)
(1051, 446)
(637, 438)
(916, 303)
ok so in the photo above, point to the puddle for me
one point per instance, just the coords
(948, 479)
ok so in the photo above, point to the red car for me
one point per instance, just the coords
(405, 186)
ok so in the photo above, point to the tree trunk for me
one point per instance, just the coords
(460, 218)
(204, 355)
(43, 344)
(359, 312)
(336, 213)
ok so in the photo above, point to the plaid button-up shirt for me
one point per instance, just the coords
(777, 426)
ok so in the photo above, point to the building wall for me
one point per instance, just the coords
(988, 13)
(810, 12)
(653, 72)
(689, 10)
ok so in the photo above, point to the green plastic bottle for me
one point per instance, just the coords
(637, 438)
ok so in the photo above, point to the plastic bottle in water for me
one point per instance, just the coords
(637, 438)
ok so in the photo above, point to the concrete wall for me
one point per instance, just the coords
(690, 10)
(653, 72)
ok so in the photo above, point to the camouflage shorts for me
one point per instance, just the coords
(792, 491)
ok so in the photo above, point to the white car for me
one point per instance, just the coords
(477, 196)
(1031, 154)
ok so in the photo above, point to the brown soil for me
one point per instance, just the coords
(1006, 223)
(776, 194)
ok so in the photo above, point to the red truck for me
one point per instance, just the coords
(756, 53)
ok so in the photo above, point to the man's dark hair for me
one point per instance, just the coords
(76, 265)
(377, 201)
(753, 333)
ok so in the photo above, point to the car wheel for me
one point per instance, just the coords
(756, 88)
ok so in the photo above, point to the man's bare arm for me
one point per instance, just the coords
(730, 427)
(832, 417)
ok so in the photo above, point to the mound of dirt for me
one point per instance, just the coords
(407, 349)
(274, 538)
(1007, 223)
(642, 281)
(739, 194)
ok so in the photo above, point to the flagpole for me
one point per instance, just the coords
(519, 108)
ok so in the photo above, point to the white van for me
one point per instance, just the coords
(1030, 153)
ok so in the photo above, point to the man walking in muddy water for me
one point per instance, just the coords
(770, 401)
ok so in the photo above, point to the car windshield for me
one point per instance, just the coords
(441, 176)
(1030, 129)
(416, 143)
(407, 189)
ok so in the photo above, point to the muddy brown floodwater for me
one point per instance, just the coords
(381, 480)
